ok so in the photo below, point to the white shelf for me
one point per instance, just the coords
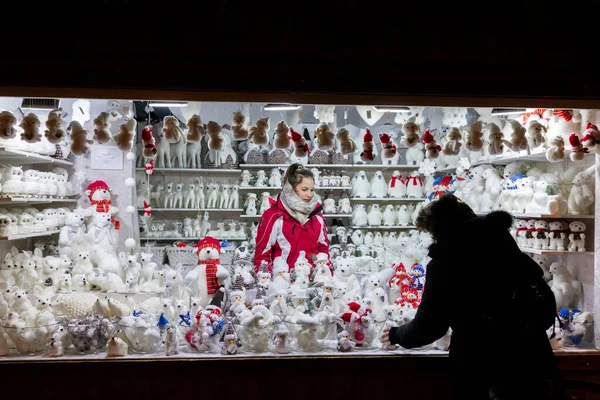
(554, 252)
(29, 235)
(149, 239)
(195, 170)
(260, 188)
(20, 157)
(546, 216)
(335, 166)
(510, 157)
(279, 188)
(32, 200)
(324, 215)
(385, 228)
(398, 199)
(237, 210)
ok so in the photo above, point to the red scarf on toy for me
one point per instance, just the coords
(103, 206)
(414, 180)
(212, 283)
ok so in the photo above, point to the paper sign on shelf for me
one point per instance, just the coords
(107, 157)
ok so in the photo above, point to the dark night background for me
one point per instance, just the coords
(526, 48)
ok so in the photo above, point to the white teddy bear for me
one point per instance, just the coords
(556, 236)
(541, 235)
(577, 236)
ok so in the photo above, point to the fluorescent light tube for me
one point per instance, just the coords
(168, 104)
(508, 111)
(281, 107)
(394, 109)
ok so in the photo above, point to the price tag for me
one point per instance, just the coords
(368, 114)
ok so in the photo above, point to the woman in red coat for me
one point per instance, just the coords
(294, 223)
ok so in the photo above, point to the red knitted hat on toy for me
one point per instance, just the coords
(92, 187)
(384, 138)
(591, 126)
(574, 140)
(368, 136)
(296, 137)
(427, 137)
(147, 133)
(208, 241)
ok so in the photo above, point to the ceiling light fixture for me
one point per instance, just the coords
(281, 107)
(168, 103)
(507, 111)
(394, 109)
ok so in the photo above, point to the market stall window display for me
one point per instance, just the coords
(150, 251)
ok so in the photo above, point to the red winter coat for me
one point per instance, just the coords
(280, 234)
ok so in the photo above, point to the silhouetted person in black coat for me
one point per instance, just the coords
(474, 264)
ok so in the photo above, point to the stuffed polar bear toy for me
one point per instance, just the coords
(210, 276)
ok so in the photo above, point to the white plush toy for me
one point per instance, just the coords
(246, 176)
(261, 179)
(210, 275)
(375, 216)
(378, 185)
(556, 236)
(359, 216)
(415, 155)
(523, 195)
(329, 206)
(100, 232)
(545, 203)
(541, 235)
(100, 197)
(344, 206)
(116, 348)
(275, 178)
(403, 216)
(250, 204)
(74, 227)
(389, 216)
(397, 186)
(563, 285)
(581, 198)
(414, 185)
(361, 187)
(265, 202)
(493, 188)
(522, 240)
(577, 236)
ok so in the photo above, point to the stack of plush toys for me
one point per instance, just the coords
(32, 183)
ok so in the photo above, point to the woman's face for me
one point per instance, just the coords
(305, 189)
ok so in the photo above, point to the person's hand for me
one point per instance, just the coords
(385, 339)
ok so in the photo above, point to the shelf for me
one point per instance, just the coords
(260, 187)
(279, 188)
(19, 157)
(335, 166)
(506, 159)
(194, 170)
(150, 239)
(324, 215)
(237, 210)
(29, 235)
(384, 199)
(554, 252)
(385, 228)
(546, 216)
(33, 200)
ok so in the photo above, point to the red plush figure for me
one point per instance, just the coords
(100, 198)
(590, 136)
(367, 153)
(432, 149)
(401, 277)
(149, 167)
(149, 150)
(578, 152)
(147, 209)
(302, 148)
(388, 148)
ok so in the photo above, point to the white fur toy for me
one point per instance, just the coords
(414, 185)
(577, 236)
(375, 216)
(565, 288)
(396, 186)
(581, 198)
(389, 215)
(378, 185)
(556, 236)
(116, 348)
(541, 235)
(361, 187)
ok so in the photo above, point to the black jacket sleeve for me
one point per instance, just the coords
(432, 319)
